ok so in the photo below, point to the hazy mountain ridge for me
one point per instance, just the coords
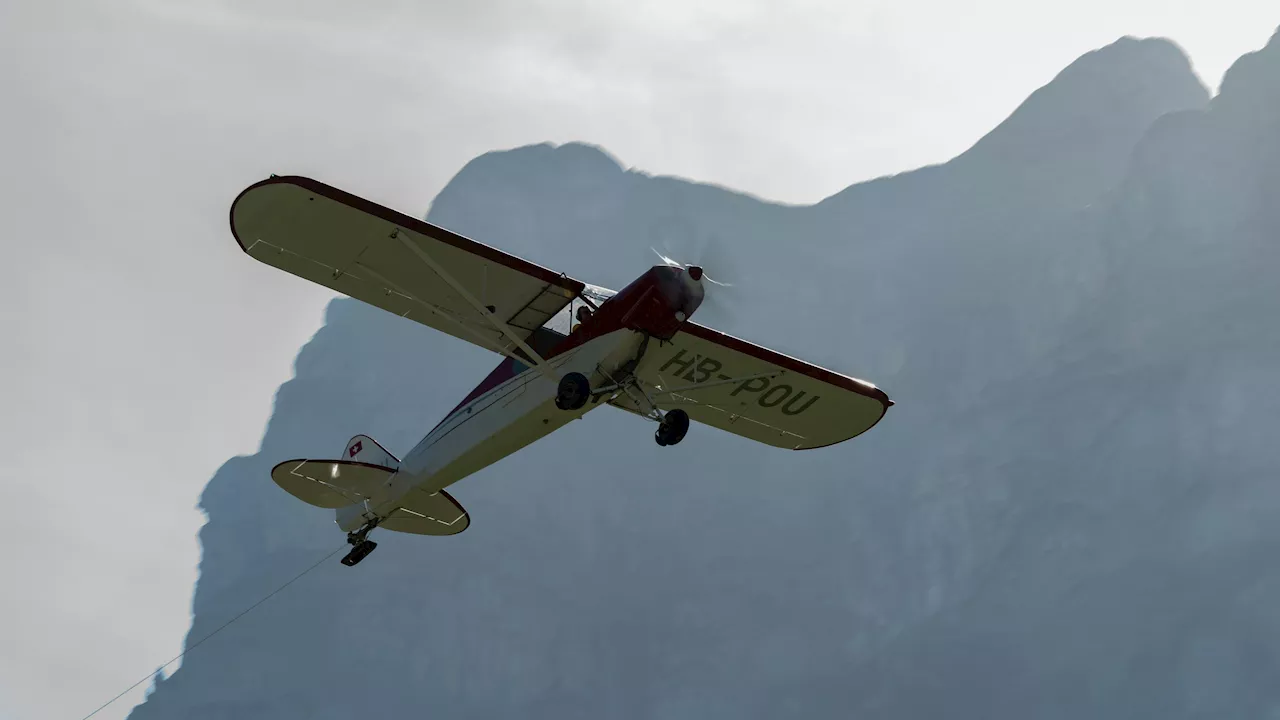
(1056, 460)
(1156, 528)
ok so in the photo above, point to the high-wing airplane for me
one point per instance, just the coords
(567, 347)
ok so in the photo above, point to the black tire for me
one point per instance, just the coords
(573, 392)
(675, 424)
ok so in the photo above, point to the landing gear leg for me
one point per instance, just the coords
(361, 544)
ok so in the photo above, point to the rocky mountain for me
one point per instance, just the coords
(1069, 513)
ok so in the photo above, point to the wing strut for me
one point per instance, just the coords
(479, 307)
(479, 339)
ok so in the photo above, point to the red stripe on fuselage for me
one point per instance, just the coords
(648, 304)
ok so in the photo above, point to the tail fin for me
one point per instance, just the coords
(364, 449)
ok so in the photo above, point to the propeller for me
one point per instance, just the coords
(702, 260)
(695, 267)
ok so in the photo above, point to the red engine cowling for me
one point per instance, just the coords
(665, 298)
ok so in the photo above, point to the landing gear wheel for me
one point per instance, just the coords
(573, 392)
(673, 427)
(359, 552)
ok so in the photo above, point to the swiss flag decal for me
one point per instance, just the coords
(355, 449)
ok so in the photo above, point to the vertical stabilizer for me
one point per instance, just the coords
(365, 449)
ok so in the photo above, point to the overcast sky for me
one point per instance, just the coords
(143, 349)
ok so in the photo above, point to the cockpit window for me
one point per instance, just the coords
(597, 294)
(566, 320)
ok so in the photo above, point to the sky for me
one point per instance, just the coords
(144, 349)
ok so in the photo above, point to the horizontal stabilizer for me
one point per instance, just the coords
(330, 483)
(423, 513)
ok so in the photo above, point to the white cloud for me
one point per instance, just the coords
(144, 348)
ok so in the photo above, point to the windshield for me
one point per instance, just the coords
(597, 294)
(564, 321)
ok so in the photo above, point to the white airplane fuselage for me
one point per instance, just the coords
(515, 405)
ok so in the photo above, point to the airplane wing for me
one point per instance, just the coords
(398, 263)
(754, 392)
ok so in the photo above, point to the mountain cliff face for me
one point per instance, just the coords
(1070, 512)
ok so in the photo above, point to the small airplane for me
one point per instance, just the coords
(567, 348)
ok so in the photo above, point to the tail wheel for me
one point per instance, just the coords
(359, 552)
(573, 392)
(673, 427)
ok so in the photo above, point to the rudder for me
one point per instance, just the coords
(365, 449)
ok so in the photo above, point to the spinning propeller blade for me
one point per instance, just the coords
(721, 307)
